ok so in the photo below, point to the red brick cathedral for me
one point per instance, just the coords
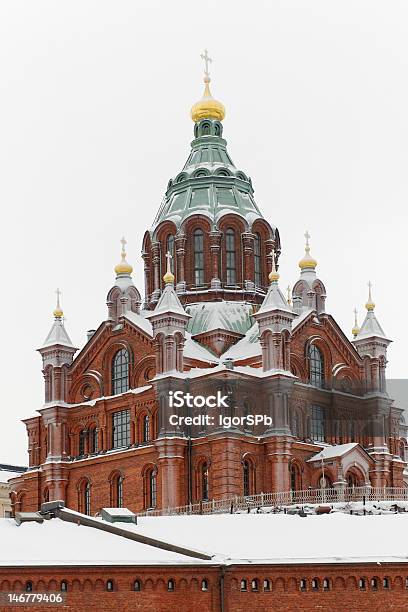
(213, 319)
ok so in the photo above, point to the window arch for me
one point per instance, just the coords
(109, 585)
(28, 586)
(316, 367)
(137, 585)
(146, 428)
(120, 372)
(257, 260)
(294, 477)
(204, 584)
(198, 244)
(170, 249)
(230, 252)
(82, 442)
(170, 585)
(93, 440)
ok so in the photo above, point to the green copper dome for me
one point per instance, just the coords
(209, 183)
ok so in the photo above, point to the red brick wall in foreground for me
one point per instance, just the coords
(343, 593)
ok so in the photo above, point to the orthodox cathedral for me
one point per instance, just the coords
(213, 318)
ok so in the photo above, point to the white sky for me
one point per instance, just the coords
(94, 120)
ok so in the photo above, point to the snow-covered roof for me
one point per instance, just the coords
(274, 300)
(330, 452)
(231, 316)
(5, 475)
(265, 537)
(58, 335)
(371, 328)
(56, 542)
(168, 302)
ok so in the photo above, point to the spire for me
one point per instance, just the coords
(123, 267)
(370, 327)
(207, 107)
(274, 299)
(58, 334)
(356, 330)
(307, 262)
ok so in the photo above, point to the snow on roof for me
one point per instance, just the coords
(5, 475)
(207, 316)
(280, 538)
(58, 542)
(194, 350)
(58, 335)
(334, 451)
(140, 321)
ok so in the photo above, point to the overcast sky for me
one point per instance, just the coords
(94, 120)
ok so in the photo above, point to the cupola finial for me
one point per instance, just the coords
(307, 261)
(169, 276)
(356, 329)
(58, 312)
(207, 107)
(273, 274)
(370, 304)
(123, 267)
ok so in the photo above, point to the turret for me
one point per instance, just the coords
(169, 322)
(309, 292)
(57, 354)
(275, 324)
(123, 297)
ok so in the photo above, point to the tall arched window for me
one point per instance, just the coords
(146, 428)
(170, 249)
(119, 491)
(82, 441)
(198, 240)
(120, 372)
(231, 277)
(84, 497)
(316, 367)
(246, 478)
(257, 260)
(93, 440)
(204, 482)
(152, 492)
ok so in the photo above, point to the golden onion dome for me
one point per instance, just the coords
(207, 107)
(307, 260)
(123, 267)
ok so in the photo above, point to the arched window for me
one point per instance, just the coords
(109, 585)
(266, 585)
(152, 488)
(294, 478)
(204, 482)
(204, 585)
(117, 491)
(257, 260)
(170, 585)
(198, 240)
(326, 584)
(64, 586)
(246, 477)
(362, 584)
(315, 584)
(254, 584)
(170, 249)
(374, 584)
(231, 277)
(136, 585)
(316, 367)
(84, 497)
(146, 428)
(317, 423)
(82, 442)
(402, 450)
(243, 585)
(120, 372)
(29, 586)
(303, 584)
(93, 440)
(386, 583)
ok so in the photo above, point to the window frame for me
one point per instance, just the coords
(120, 371)
(230, 257)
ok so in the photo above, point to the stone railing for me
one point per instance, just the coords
(286, 498)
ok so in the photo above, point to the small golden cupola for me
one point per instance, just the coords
(123, 267)
(307, 262)
(58, 312)
(207, 107)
